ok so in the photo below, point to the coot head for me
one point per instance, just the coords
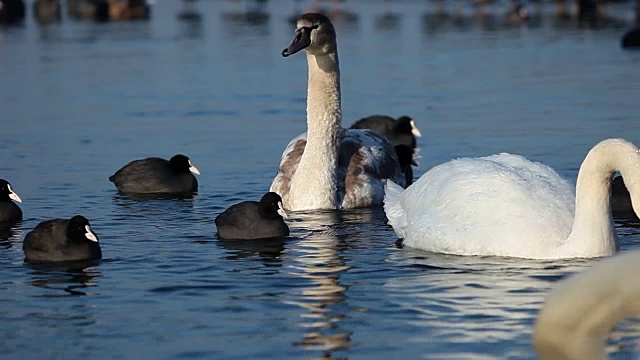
(7, 193)
(407, 125)
(182, 164)
(271, 206)
(78, 230)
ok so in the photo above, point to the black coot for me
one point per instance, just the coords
(10, 213)
(157, 176)
(62, 240)
(253, 219)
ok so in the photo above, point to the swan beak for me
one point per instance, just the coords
(414, 129)
(90, 235)
(299, 42)
(281, 211)
(193, 169)
(12, 195)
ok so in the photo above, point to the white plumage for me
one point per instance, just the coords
(506, 205)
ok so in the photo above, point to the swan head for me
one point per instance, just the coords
(624, 157)
(314, 33)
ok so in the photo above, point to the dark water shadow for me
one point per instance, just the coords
(9, 233)
(65, 279)
(189, 12)
(130, 198)
(168, 209)
(388, 21)
(267, 250)
(191, 24)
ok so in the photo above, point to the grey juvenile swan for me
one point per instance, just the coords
(329, 167)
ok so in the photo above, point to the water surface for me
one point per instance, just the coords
(80, 100)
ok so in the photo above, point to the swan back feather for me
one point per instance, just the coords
(365, 161)
(506, 205)
(447, 207)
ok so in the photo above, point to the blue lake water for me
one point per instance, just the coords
(79, 100)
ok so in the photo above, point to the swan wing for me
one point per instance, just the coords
(366, 160)
(393, 209)
(288, 165)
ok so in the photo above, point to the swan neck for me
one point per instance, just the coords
(593, 220)
(593, 228)
(579, 314)
(314, 184)
(324, 112)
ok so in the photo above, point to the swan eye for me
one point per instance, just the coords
(309, 28)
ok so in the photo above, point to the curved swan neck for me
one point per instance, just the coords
(314, 185)
(593, 219)
(579, 313)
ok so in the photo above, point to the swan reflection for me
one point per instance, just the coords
(318, 259)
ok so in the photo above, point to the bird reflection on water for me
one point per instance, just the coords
(9, 234)
(65, 279)
(318, 259)
(268, 250)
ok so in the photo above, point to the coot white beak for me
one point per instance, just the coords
(89, 234)
(193, 169)
(12, 195)
(281, 211)
(414, 129)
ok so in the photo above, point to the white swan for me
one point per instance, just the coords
(583, 309)
(506, 205)
(330, 167)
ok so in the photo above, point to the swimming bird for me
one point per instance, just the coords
(126, 10)
(631, 39)
(583, 309)
(62, 240)
(517, 15)
(253, 219)
(12, 11)
(329, 167)
(47, 11)
(506, 205)
(157, 176)
(10, 213)
(97, 10)
(402, 131)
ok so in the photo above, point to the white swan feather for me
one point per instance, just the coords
(506, 205)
